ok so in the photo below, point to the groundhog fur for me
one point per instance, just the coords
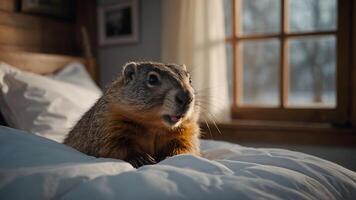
(147, 114)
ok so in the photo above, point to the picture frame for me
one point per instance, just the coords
(118, 23)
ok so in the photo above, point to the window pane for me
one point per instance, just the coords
(228, 17)
(312, 71)
(260, 61)
(260, 17)
(312, 15)
(229, 71)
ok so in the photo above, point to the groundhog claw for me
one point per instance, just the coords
(142, 159)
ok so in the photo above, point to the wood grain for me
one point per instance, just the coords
(41, 63)
(87, 17)
(281, 133)
(38, 34)
(330, 115)
(8, 5)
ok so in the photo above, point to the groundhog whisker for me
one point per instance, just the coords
(210, 100)
(212, 104)
(208, 89)
(213, 99)
(216, 126)
(207, 125)
(212, 118)
(208, 105)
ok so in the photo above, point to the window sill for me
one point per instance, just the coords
(241, 131)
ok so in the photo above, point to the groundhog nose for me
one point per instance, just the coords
(183, 98)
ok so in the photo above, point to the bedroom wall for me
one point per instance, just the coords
(111, 58)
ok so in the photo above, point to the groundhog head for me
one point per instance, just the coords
(158, 93)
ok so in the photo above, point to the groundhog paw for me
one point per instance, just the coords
(142, 159)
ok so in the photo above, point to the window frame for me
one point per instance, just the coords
(339, 114)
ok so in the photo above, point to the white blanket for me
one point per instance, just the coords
(32, 167)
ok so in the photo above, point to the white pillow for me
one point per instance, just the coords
(47, 106)
(76, 74)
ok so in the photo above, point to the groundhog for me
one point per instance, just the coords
(147, 114)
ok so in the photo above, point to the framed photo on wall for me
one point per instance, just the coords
(118, 23)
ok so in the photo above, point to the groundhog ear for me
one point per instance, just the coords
(129, 72)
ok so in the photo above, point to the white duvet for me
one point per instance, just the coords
(32, 167)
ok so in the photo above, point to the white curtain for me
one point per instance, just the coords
(193, 34)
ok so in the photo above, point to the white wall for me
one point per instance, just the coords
(111, 58)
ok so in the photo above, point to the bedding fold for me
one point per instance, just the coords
(32, 167)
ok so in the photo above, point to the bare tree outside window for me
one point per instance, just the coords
(282, 54)
(312, 60)
(287, 59)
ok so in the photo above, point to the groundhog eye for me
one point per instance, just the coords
(153, 79)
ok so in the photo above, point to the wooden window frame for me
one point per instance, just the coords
(339, 114)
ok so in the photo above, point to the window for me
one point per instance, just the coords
(289, 59)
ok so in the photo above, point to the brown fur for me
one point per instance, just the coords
(110, 129)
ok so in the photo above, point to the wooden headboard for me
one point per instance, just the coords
(43, 63)
(51, 41)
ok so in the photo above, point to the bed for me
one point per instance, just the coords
(35, 165)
